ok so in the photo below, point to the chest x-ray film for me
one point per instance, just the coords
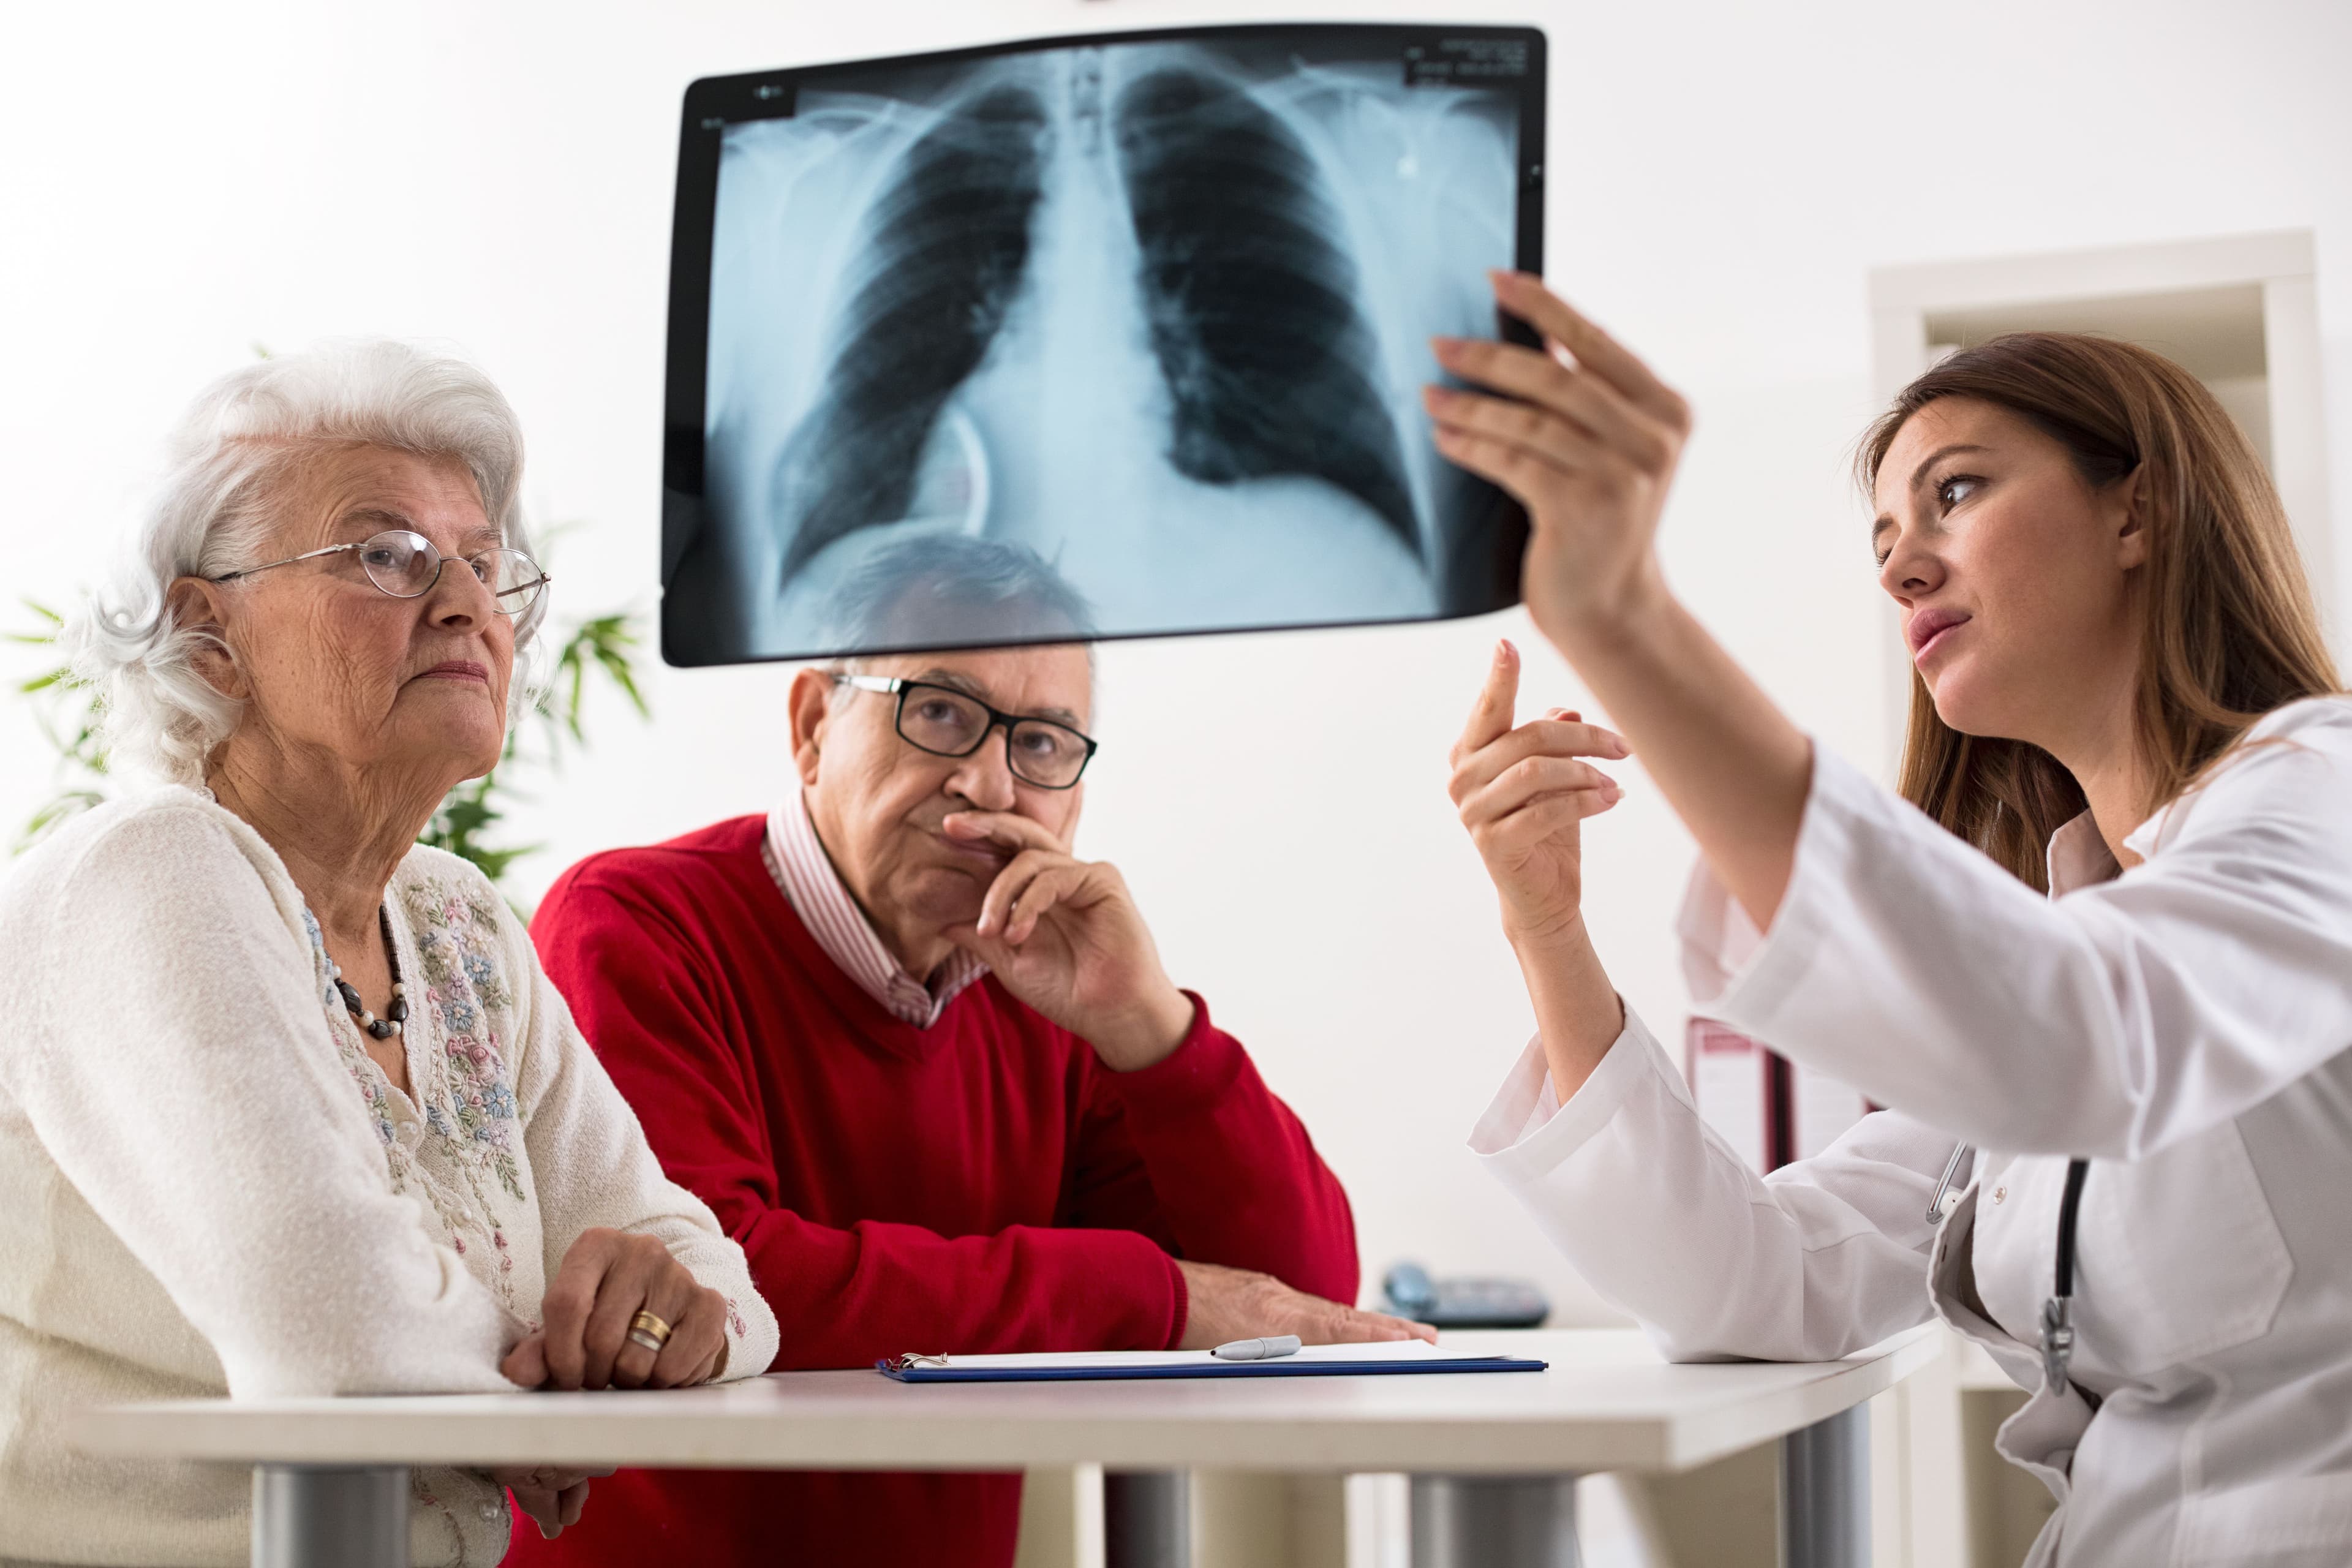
(1113, 336)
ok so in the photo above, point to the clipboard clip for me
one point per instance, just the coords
(910, 1360)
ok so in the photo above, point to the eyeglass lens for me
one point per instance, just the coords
(943, 722)
(405, 565)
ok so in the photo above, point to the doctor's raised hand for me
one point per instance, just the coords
(1585, 435)
(1588, 438)
(1523, 792)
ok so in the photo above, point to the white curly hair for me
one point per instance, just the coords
(227, 469)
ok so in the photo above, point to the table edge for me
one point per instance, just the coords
(210, 1431)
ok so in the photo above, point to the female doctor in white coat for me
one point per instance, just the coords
(2108, 931)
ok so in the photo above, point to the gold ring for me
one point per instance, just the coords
(655, 1331)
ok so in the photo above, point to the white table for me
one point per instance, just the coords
(1493, 1455)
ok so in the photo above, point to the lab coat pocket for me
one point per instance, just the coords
(2180, 1255)
(2264, 1520)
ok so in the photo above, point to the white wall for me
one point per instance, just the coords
(179, 182)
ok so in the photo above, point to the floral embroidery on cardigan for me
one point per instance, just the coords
(456, 941)
(460, 1077)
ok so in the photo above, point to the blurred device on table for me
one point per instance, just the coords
(1464, 1303)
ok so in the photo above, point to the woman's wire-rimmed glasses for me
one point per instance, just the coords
(950, 723)
(406, 565)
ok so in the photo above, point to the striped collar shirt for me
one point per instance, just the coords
(796, 858)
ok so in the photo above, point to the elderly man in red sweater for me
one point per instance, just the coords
(925, 1064)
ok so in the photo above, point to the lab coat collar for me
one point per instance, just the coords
(2078, 858)
(2166, 825)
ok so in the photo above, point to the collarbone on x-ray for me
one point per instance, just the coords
(1155, 313)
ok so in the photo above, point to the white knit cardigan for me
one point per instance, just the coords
(207, 1187)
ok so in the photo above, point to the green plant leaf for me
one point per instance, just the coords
(59, 809)
(66, 711)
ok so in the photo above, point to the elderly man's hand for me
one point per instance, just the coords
(1065, 936)
(1237, 1304)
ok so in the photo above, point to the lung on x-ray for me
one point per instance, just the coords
(1111, 336)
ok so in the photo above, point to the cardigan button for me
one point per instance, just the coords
(1999, 1194)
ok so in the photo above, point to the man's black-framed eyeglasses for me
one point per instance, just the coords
(950, 723)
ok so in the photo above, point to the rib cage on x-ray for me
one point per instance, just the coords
(1156, 313)
(1253, 307)
(948, 245)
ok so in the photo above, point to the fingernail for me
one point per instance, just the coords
(1503, 649)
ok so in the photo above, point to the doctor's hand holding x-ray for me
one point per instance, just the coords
(1588, 439)
(2106, 937)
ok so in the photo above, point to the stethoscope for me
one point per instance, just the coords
(2058, 1311)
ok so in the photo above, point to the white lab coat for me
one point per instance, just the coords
(2184, 1025)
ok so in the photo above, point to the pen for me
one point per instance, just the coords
(1257, 1349)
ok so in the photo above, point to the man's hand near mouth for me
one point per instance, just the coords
(1064, 935)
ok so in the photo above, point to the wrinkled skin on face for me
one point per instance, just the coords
(361, 710)
(401, 698)
(2016, 578)
(878, 803)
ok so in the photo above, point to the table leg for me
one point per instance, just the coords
(1147, 1518)
(316, 1516)
(1494, 1522)
(1825, 1493)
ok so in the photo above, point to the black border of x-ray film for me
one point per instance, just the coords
(714, 103)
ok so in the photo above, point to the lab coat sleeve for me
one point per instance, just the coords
(2111, 1022)
(1824, 1258)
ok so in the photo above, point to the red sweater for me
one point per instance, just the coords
(983, 1184)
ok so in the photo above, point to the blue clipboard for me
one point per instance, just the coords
(1101, 1367)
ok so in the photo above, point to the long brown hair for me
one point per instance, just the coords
(2231, 628)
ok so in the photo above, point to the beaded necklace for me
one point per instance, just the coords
(397, 1010)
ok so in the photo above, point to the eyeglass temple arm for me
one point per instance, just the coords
(307, 555)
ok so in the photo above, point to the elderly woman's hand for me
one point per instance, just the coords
(606, 1279)
(554, 1495)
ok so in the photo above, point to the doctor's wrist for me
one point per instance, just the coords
(1538, 939)
(1632, 613)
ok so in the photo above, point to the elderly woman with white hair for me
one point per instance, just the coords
(287, 1105)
